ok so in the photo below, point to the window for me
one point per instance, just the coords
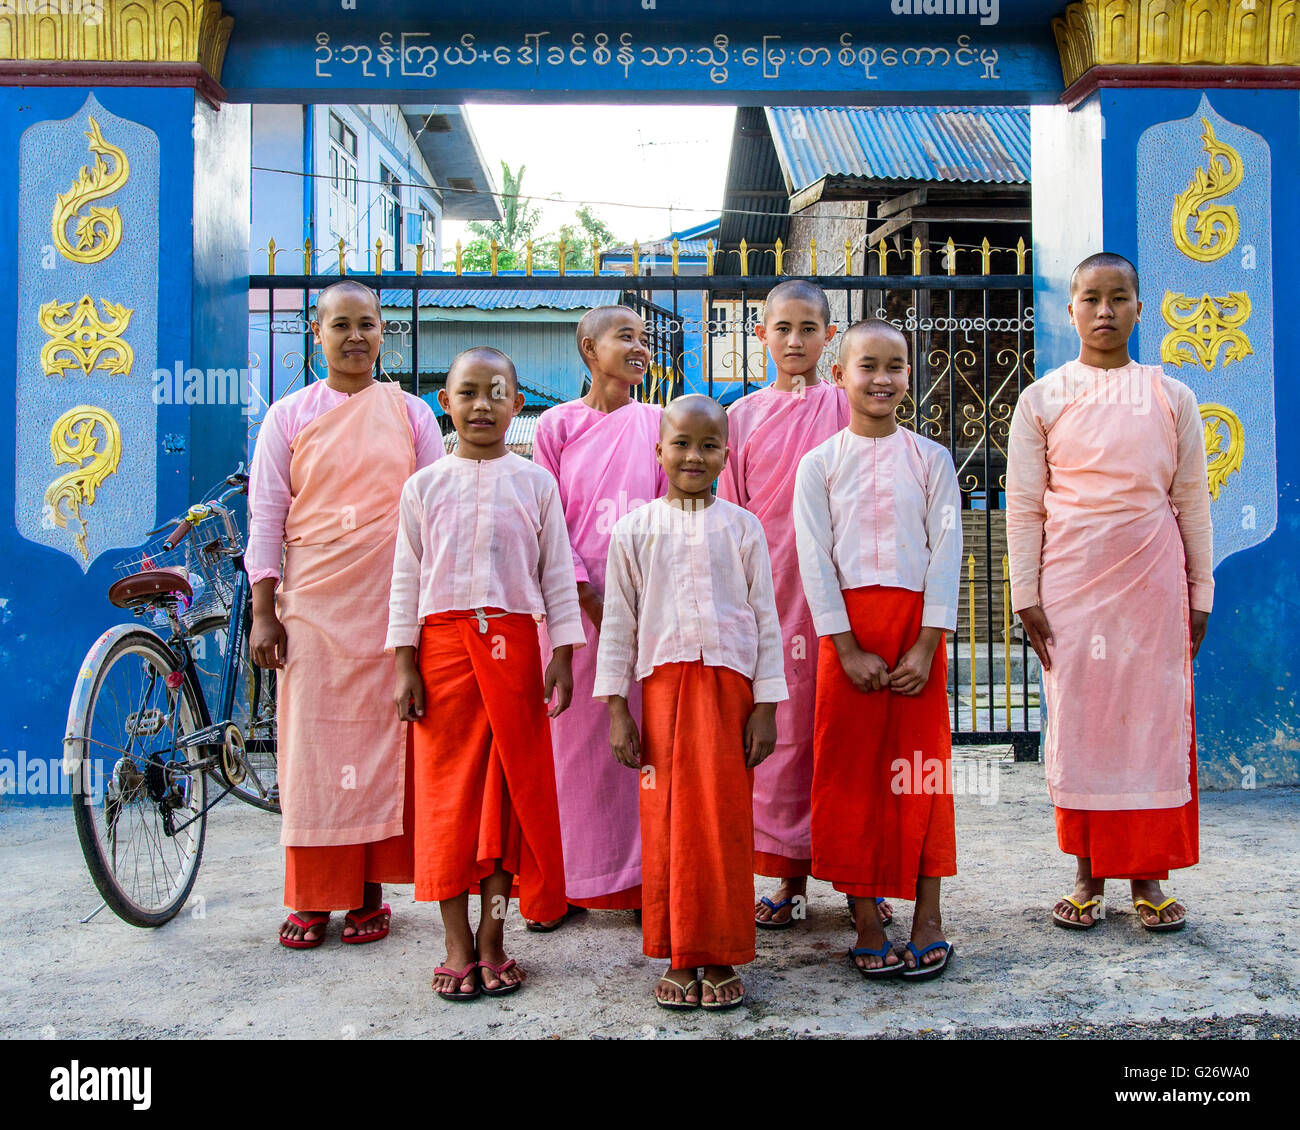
(390, 201)
(343, 180)
(736, 353)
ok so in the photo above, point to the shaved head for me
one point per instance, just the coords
(485, 355)
(597, 322)
(694, 407)
(802, 291)
(342, 287)
(870, 326)
(1106, 259)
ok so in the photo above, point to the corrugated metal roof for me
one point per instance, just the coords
(519, 435)
(754, 208)
(923, 143)
(662, 247)
(501, 299)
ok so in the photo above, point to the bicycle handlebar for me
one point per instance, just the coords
(238, 484)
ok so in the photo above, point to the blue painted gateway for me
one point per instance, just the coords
(1118, 125)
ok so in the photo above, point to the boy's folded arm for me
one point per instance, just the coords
(616, 650)
(943, 530)
(769, 667)
(1026, 512)
(404, 595)
(814, 538)
(557, 582)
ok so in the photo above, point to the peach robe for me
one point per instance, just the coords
(342, 761)
(1094, 459)
(770, 431)
(605, 466)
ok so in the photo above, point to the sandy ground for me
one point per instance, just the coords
(216, 970)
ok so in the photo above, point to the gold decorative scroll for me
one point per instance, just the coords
(73, 439)
(99, 229)
(1221, 460)
(1180, 32)
(1215, 226)
(1204, 326)
(117, 31)
(84, 338)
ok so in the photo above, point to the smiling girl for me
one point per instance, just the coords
(878, 528)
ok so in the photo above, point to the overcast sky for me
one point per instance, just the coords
(656, 156)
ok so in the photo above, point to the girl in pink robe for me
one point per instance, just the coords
(1108, 527)
(601, 450)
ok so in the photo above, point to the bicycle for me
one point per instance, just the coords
(141, 743)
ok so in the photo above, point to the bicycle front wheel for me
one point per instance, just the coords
(138, 796)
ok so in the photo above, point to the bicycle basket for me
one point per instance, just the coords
(202, 558)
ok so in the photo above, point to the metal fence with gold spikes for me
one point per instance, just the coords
(965, 309)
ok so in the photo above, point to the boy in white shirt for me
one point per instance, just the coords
(689, 611)
(877, 521)
(482, 554)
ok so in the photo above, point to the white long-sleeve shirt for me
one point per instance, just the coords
(881, 511)
(482, 533)
(685, 583)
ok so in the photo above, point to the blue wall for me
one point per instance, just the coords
(49, 611)
(1247, 679)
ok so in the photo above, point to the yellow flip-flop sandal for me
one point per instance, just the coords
(1082, 908)
(1159, 927)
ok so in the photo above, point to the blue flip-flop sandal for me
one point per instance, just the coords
(774, 907)
(925, 972)
(882, 953)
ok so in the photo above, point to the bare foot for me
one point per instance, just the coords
(871, 935)
(458, 957)
(678, 986)
(715, 991)
(1085, 888)
(291, 931)
(793, 889)
(1149, 889)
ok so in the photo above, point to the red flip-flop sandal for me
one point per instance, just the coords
(357, 920)
(505, 988)
(305, 924)
(460, 975)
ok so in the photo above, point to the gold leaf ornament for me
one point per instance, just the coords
(96, 455)
(80, 338)
(1214, 226)
(1201, 327)
(98, 230)
(1223, 455)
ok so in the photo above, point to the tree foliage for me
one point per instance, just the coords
(519, 224)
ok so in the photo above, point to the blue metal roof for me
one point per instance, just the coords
(501, 299)
(922, 143)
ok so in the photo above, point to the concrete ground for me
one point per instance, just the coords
(216, 969)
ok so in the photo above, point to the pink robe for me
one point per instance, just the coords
(770, 431)
(1114, 581)
(605, 466)
(342, 749)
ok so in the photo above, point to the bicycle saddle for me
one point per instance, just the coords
(147, 585)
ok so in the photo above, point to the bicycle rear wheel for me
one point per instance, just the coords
(138, 798)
